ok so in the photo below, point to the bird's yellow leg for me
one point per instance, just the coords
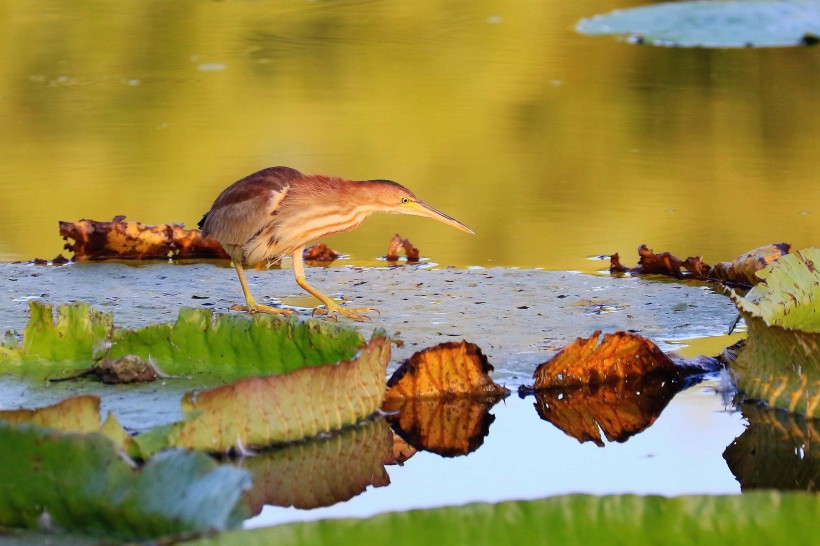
(252, 306)
(331, 307)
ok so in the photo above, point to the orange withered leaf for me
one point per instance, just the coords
(446, 370)
(619, 356)
(118, 239)
(320, 252)
(397, 243)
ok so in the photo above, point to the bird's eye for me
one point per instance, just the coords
(405, 200)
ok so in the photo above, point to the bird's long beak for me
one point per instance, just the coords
(420, 208)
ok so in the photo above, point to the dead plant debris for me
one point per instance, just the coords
(739, 271)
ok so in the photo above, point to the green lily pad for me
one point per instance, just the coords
(223, 347)
(713, 23)
(753, 518)
(780, 361)
(82, 483)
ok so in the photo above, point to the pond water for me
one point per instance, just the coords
(554, 147)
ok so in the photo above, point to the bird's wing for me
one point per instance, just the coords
(248, 205)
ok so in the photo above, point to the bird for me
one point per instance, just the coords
(277, 211)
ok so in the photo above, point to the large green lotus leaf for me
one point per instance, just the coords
(231, 346)
(84, 485)
(260, 411)
(780, 361)
(754, 518)
(711, 23)
(223, 347)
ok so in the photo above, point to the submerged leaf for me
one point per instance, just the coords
(85, 486)
(321, 472)
(709, 23)
(260, 411)
(780, 360)
(446, 370)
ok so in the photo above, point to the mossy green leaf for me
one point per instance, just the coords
(223, 347)
(260, 411)
(84, 485)
(710, 23)
(780, 361)
(754, 518)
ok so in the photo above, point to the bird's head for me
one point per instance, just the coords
(395, 198)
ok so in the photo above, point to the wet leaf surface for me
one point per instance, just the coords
(703, 23)
(260, 411)
(776, 451)
(448, 427)
(321, 472)
(118, 239)
(446, 370)
(84, 485)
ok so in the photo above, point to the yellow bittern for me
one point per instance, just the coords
(277, 211)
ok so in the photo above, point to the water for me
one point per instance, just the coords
(552, 146)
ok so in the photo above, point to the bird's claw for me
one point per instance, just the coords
(335, 311)
(259, 308)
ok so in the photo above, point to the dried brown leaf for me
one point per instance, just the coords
(118, 239)
(320, 252)
(397, 243)
(446, 370)
(619, 356)
(742, 269)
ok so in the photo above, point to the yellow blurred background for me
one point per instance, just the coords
(552, 146)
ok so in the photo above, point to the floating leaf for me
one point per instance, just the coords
(620, 356)
(260, 411)
(122, 240)
(780, 360)
(84, 485)
(708, 23)
(448, 427)
(446, 370)
(223, 347)
(752, 518)
(619, 410)
(320, 252)
(742, 270)
(396, 243)
(321, 472)
(777, 450)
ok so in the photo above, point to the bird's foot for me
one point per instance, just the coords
(260, 308)
(334, 310)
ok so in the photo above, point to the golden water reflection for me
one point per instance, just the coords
(552, 146)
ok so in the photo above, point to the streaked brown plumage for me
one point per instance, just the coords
(278, 211)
